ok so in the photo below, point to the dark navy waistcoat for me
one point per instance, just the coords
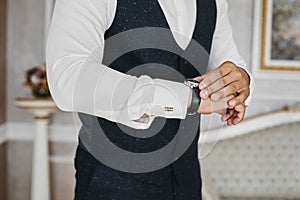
(181, 179)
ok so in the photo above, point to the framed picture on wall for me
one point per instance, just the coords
(277, 37)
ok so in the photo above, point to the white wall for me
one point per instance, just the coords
(25, 49)
(25, 45)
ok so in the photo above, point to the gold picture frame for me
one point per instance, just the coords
(287, 61)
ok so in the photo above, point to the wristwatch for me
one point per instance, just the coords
(194, 85)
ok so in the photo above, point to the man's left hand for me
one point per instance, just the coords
(226, 80)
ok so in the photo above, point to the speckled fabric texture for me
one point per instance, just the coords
(181, 180)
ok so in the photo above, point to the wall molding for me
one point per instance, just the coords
(275, 97)
(19, 131)
(57, 132)
(250, 125)
(25, 132)
(67, 133)
(62, 159)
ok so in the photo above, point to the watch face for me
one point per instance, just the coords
(192, 83)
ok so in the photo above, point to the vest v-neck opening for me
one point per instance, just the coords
(167, 21)
(172, 27)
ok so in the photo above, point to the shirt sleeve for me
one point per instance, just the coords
(224, 47)
(79, 82)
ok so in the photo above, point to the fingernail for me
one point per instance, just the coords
(232, 103)
(224, 118)
(204, 93)
(202, 86)
(215, 97)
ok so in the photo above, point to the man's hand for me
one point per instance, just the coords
(235, 115)
(228, 82)
(207, 106)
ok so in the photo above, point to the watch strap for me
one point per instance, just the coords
(192, 110)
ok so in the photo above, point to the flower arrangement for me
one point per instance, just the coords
(36, 79)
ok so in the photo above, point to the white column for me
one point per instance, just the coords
(40, 172)
(42, 110)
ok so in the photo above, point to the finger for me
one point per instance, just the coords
(237, 116)
(216, 74)
(219, 78)
(227, 115)
(240, 113)
(144, 116)
(222, 112)
(221, 105)
(229, 84)
(230, 89)
(204, 94)
(210, 83)
(240, 99)
(230, 121)
(232, 117)
(208, 91)
(222, 83)
(209, 78)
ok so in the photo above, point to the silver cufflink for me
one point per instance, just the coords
(169, 109)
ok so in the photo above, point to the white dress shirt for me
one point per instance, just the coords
(79, 82)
